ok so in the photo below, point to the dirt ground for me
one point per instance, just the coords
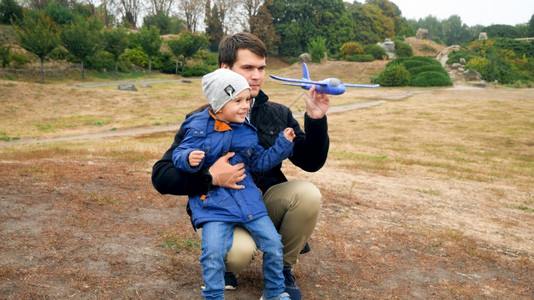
(76, 224)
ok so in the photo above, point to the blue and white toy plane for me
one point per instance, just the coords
(331, 86)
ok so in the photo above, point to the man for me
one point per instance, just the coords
(293, 206)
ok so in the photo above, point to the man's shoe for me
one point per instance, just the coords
(230, 281)
(291, 287)
(283, 296)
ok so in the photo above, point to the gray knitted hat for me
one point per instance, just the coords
(221, 86)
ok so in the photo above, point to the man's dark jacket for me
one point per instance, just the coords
(309, 152)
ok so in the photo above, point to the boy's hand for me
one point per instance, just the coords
(195, 157)
(289, 134)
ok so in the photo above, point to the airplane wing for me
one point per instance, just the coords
(303, 81)
(362, 85)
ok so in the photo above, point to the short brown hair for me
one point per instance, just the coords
(230, 44)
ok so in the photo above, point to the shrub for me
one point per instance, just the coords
(403, 49)
(135, 56)
(350, 49)
(426, 68)
(101, 61)
(360, 57)
(431, 78)
(317, 49)
(19, 60)
(394, 75)
(376, 51)
(197, 70)
(479, 64)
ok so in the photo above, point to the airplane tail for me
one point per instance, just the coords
(305, 73)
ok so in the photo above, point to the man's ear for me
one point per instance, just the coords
(225, 66)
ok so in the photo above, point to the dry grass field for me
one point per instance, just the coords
(429, 195)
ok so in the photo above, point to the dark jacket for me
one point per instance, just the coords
(215, 138)
(309, 151)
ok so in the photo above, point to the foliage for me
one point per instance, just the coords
(164, 62)
(115, 42)
(501, 59)
(82, 38)
(428, 66)
(531, 26)
(402, 49)
(431, 78)
(317, 49)
(371, 24)
(58, 53)
(197, 70)
(150, 41)
(262, 26)
(102, 61)
(360, 57)
(136, 57)
(165, 23)
(351, 48)
(214, 27)
(38, 34)
(186, 45)
(376, 51)
(5, 55)
(19, 60)
(59, 13)
(500, 30)
(10, 9)
(394, 75)
(315, 18)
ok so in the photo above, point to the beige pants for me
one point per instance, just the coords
(294, 209)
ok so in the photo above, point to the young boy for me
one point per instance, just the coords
(209, 135)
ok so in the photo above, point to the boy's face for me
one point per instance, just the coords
(252, 67)
(236, 110)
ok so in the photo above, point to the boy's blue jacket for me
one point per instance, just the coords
(216, 138)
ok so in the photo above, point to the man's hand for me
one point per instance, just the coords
(316, 104)
(226, 175)
(195, 157)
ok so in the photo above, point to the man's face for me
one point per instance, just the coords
(252, 67)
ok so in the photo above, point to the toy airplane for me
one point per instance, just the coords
(331, 86)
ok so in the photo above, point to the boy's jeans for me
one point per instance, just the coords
(217, 239)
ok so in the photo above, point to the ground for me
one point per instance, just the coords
(80, 219)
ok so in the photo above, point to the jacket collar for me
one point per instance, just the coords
(261, 98)
(222, 126)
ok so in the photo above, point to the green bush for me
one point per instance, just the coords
(317, 49)
(376, 51)
(135, 56)
(394, 75)
(360, 57)
(431, 78)
(403, 49)
(19, 60)
(101, 61)
(426, 68)
(197, 70)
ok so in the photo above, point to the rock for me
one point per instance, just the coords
(305, 57)
(461, 69)
(483, 36)
(185, 80)
(127, 87)
(455, 65)
(422, 34)
(472, 75)
(146, 86)
(462, 61)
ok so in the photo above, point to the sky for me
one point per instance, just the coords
(472, 12)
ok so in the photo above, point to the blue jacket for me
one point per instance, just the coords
(216, 138)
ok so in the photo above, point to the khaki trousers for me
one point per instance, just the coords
(294, 208)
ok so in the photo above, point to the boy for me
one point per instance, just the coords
(209, 135)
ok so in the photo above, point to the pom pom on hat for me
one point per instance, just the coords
(221, 86)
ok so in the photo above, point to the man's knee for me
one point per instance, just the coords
(309, 197)
(242, 252)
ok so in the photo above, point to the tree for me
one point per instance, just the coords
(251, 8)
(116, 41)
(191, 11)
(37, 34)
(59, 13)
(317, 49)
(130, 10)
(500, 30)
(160, 21)
(298, 22)
(261, 25)
(531, 26)
(161, 7)
(214, 27)
(82, 38)
(186, 45)
(370, 24)
(150, 41)
(9, 9)
(5, 58)
(455, 31)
